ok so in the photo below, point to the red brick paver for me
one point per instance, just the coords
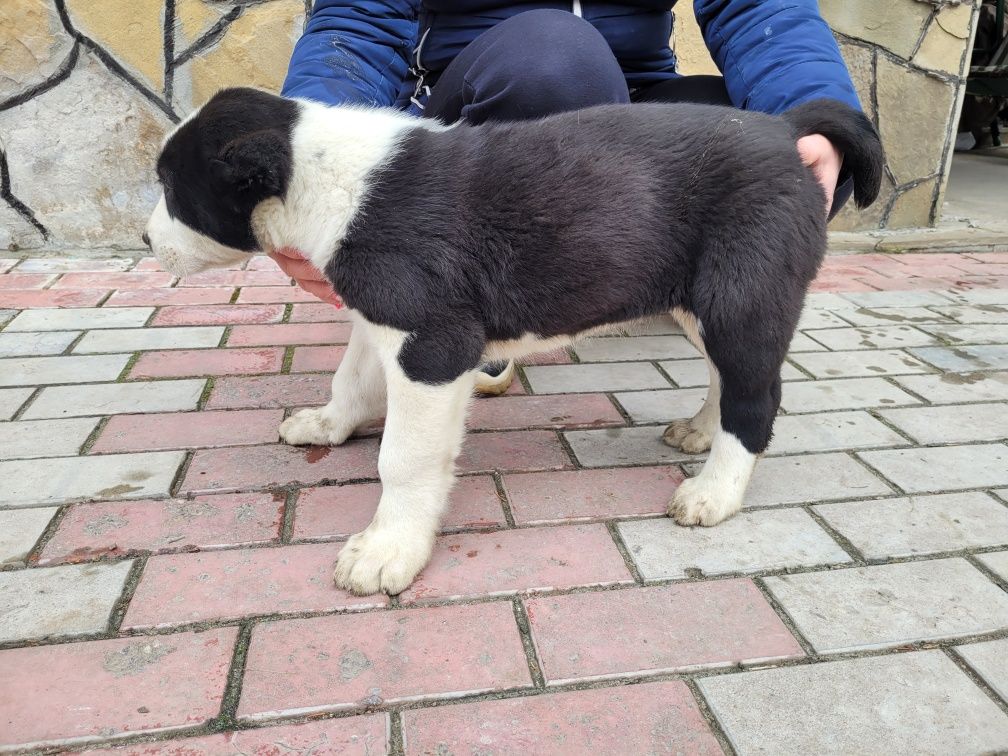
(181, 588)
(577, 411)
(111, 687)
(270, 391)
(176, 315)
(354, 736)
(515, 450)
(188, 430)
(289, 333)
(128, 527)
(340, 511)
(591, 494)
(316, 359)
(171, 297)
(469, 565)
(277, 465)
(352, 661)
(23, 299)
(179, 363)
(640, 631)
(653, 718)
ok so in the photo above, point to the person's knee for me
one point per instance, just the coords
(550, 61)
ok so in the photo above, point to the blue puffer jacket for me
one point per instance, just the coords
(774, 54)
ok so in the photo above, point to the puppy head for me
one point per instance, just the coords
(214, 169)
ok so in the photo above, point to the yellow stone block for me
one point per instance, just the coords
(692, 55)
(32, 44)
(913, 207)
(255, 51)
(133, 32)
(193, 18)
(892, 24)
(945, 42)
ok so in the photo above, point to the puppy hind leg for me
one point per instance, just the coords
(694, 435)
(750, 395)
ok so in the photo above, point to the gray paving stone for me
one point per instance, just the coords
(815, 319)
(980, 297)
(618, 447)
(844, 393)
(41, 371)
(769, 539)
(919, 524)
(896, 298)
(662, 405)
(874, 337)
(965, 359)
(827, 300)
(877, 316)
(857, 364)
(20, 530)
(913, 703)
(26, 439)
(802, 343)
(976, 313)
(891, 604)
(7, 315)
(997, 562)
(80, 318)
(962, 423)
(970, 334)
(808, 479)
(116, 399)
(70, 600)
(35, 344)
(990, 661)
(953, 387)
(31, 482)
(627, 349)
(137, 339)
(831, 431)
(689, 373)
(945, 468)
(11, 401)
(624, 376)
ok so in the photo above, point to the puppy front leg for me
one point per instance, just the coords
(424, 428)
(358, 397)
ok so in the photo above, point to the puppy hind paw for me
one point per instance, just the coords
(684, 435)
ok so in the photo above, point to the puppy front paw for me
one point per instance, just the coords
(382, 560)
(699, 501)
(311, 427)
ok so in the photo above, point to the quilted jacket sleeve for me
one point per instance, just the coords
(774, 54)
(354, 52)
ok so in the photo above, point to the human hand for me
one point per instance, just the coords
(819, 154)
(307, 276)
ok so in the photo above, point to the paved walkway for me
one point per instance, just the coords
(166, 581)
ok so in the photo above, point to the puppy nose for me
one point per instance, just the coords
(145, 239)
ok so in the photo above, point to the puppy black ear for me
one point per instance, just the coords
(259, 162)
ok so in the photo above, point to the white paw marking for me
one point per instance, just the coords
(700, 501)
(311, 427)
(382, 560)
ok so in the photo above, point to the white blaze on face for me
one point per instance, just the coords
(183, 250)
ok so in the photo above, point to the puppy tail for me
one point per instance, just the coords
(851, 133)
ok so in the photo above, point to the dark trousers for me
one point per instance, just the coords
(549, 61)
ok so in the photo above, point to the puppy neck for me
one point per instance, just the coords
(335, 151)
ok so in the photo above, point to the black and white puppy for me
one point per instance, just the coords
(456, 245)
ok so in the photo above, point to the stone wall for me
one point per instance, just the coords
(908, 59)
(89, 87)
